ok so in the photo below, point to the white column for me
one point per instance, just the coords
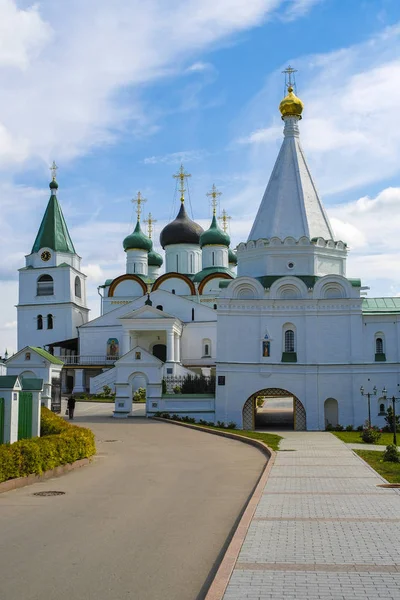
(170, 346)
(177, 348)
(79, 383)
(46, 395)
(126, 342)
(134, 339)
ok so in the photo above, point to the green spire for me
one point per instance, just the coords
(53, 231)
(137, 240)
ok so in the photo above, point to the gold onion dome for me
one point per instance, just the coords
(291, 105)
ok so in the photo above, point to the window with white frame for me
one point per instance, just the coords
(45, 286)
(379, 345)
(289, 340)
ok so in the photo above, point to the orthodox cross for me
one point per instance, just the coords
(289, 71)
(53, 170)
(225, 218)
(214, 195)
(149, 222)
(181, 175)
(139, 201)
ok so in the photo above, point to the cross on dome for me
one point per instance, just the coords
(214, 195)
(149, 222)
(225, 218)
(53, 170)
(181, 175)
(139, 201)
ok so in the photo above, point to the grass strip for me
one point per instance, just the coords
(354, 437)
(388, 470)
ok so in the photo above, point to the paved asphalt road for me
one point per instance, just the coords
(147, 520)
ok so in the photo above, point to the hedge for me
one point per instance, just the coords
(62, 443)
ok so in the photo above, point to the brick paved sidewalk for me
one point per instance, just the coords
(322, 529)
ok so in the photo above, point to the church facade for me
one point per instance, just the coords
(288, 324)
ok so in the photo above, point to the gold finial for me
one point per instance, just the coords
(291, 105)
(149, 222)
(139, 201)
(225, 218)
(53, 170)
(181, 175)
(214, 195)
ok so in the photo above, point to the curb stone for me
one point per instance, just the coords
(19, 482)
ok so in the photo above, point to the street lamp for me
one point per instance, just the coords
(394, 400)
(368, 395)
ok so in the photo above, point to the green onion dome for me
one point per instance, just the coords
(137, 240)
(214, 236)
(232, 258)
(53, 185)
(154, 259)
(181, 231)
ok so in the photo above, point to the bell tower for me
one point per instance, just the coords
(52, 287)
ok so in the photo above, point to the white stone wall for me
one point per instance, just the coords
(183, 258)
(215, 256)
(136, 262)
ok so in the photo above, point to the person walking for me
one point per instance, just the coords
(71, 407)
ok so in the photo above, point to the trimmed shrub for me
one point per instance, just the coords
(370, 435)
(140, 395)
(62, 443)
(391, 454)
(349, 428)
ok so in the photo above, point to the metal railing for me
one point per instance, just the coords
(89, 360)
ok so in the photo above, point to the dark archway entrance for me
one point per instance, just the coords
(274, 408)
(160, 351)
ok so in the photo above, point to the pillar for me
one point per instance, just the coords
(11, 406)
(46, 395)
(64, 381)
(170, 346)
(177, 344)
(79, 383)
(134, 339)
(126, 342)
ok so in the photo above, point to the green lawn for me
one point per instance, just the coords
(270, 439)
(388, 470)
(354, 437)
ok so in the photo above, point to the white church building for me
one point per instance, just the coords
(289, 324)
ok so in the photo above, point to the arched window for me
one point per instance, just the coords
(177, 263)
(39, 320)
(159, 307)
(215, 307)
(191, 263)
(382, 409)
(207, 347)
(213, 258)
(289, 340)
(49, 321)
(173, 291)
(379, 345)
(78, 287)
(45, 286)
(192, 314)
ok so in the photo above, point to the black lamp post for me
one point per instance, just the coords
(394, 400)
(368, 395)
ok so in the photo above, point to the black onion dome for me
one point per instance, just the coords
(181, 231)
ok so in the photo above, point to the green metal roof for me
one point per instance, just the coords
(137, 240)
(7, 381)
(52, 359)
(214, 236)
(53, 231)
(32, 384)
(381, 305)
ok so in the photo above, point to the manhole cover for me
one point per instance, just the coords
(49, 493)
(389, 485)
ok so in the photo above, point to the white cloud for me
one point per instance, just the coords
(176, 157)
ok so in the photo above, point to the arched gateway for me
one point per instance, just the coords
(250, 408)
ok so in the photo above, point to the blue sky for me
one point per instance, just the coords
(119, 93)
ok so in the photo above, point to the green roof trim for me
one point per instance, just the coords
(8, 381)
(52, 359)
(32, 384)
(267, 280)
(53, 231)
(210, 270)
(355, 282)
(381, 305)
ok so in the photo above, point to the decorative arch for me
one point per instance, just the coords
(288, 287)
(245, 288)
(127, 276)
(173, 275)
(206, 348)
(332, 286)
(211, 276)
(249, 408)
